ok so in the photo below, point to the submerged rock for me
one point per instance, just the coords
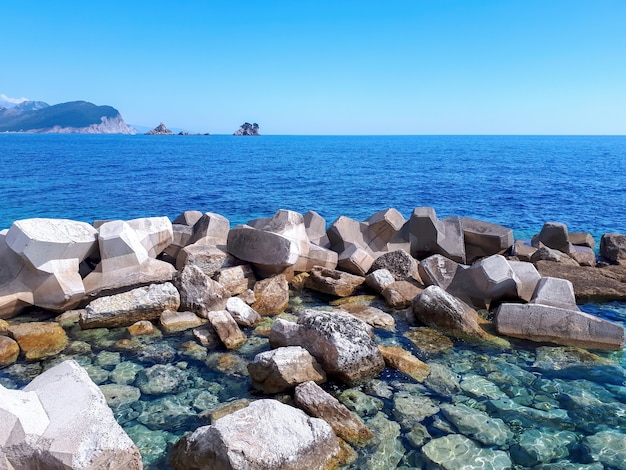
(477, 424)
(38, 340)
(456, 451)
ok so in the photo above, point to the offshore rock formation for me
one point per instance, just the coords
(248, 129)
(161, 129)
(76, 117)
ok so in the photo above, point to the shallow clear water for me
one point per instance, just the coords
(550, 400)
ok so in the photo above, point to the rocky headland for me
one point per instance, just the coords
(75, 117)
(389, 297)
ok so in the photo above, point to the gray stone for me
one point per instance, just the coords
(212, 226)
(242, 313)
(361, 403)
(342, 344)
(125, 373)
(523, 250)
(583, 255)
(477, 424)
(430, 235)
(485, 239)
(161, 379)
(555, 292)
(400, 294)
(582, 239)
(265, 435)
(118, 396)
(557, 325)
(315, 226)
(166, 412)
(399, 263)
(527, 276)
(379, 279)
(371, 315)
(281, 369)
(536, 447)
(553, 235)
(410, 409)
(437, 270)
(198, 292)
(42, 428)
(188, 218)
(333, 282)
(443, 380)
(489, 280)
(385, 451)
(143, 303)
(613, 247)
(382, 227)
(436, 308)
(455, 451)
(608, 447)
(226, 328)
(346, 425)
(355, 260)
(262, 247)
(545, 253)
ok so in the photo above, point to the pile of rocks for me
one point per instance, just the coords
(198, 272)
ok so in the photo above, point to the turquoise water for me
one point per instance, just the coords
(534, 404)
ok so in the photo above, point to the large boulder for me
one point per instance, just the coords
(341, 343)
(553, 235)
(212, 226)
(399, 358)
(42, 428)
(281, 369)
(347, 425)
(198, 292)
(265, 435)
(568, 327)
(613, 247)
(527, 277)
(333, 282)
(241, 312)
(436, 308)
(127, 252)
(429, 235)
(383, 228)
(555, 292)
(206, 255)
(41, 259)
(271, 295)
(143, 303)
(315, 226)
(399, 263)
(437, 270)
(485, 239)
(490, 280)
(38, 340)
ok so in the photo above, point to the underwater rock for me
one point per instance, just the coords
(455, 451)
(361, 403)
(385, 450)
(410, 409)
(477, 424)
(166, 413)
(442, 380)
(142, 328)
(478, 386)
(160, 379)
(537, 446)
(607, 447)
(428, 341)
(402, 360)
(373, 316)
(39, 339)
(125, 373)
(118, 396)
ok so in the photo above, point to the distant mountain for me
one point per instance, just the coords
(74, 117)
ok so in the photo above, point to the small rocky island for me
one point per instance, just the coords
(161, 129)
(248, 129)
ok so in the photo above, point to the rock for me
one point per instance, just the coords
(198, 292)
(211, 226)
(613, 247)
(545, 253)
(118, 396)
(523, 250)
(355, 260)
(281, 369)
(582, 239)
(429, 235)
(436, 308)
(160, 379)
(264, 435)
(238, 279)
(248, 129)
(488, 281)
(345, 232)
(315, 226)
(333, 282)
(188, 218)
(429, 342)
(342, 344)
(206, 335)
(346, 425)
(161, 129)
(378, 279)
(555, 292)
(553, 235)
(226, 328)
(141, 328)
(361, 403)
(411, 409)
(143, 303)
(443, 380)
(590, 284)
(583, 255)
(242, 313)
(173, 322)
(206, 255)
(271, 295)
(9, 350)
(608, 447)
(317, 256)
(38, 340)
(399, 263)
(370, 315)
(382, 228)
(539, 447)
(74, 429)
(455, 451)
(437, 270)
(400, 294)
(557, 325)
(484, 239)
(479, 387)
(527, 278)
(398, 358)
(385, 451)
(125, 373)
(4, 327)
(477, 424)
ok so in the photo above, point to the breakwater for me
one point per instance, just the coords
(427, 385)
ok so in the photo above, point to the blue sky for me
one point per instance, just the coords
(322, 67)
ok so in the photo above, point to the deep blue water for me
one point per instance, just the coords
(517, 181)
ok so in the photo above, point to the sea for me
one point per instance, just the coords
(555, 407)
